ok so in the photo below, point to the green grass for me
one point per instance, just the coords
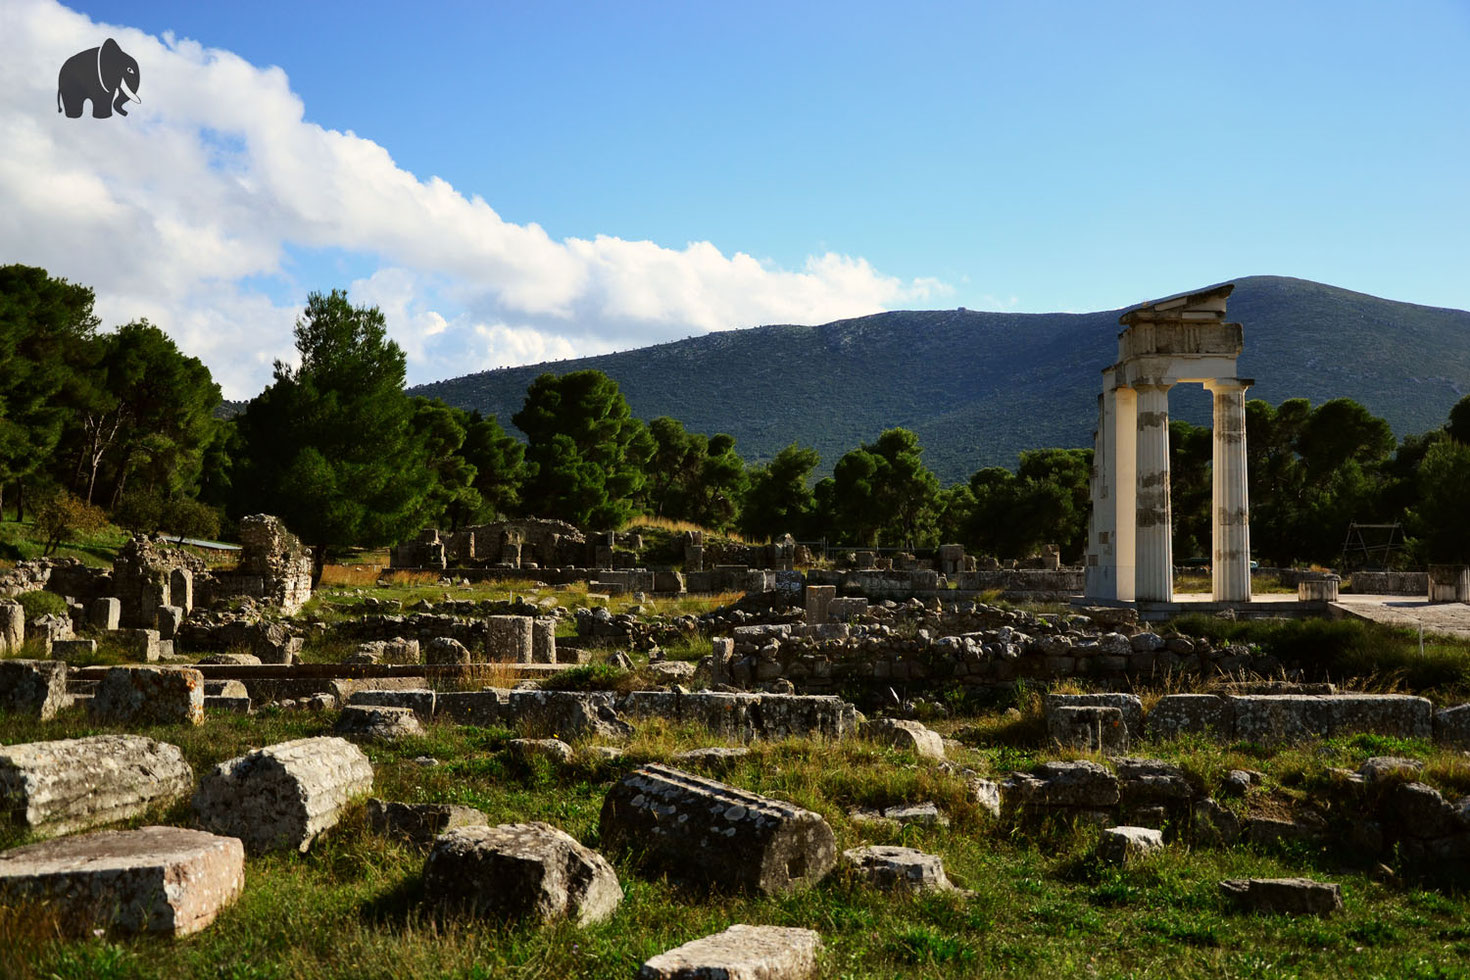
(351, 908)
(1371, 654)
(20, 541)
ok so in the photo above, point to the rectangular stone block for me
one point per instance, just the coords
(149, 695)
(166, 880)
(231, 704)
(741, 952)
(482, 708)
(1190, 714)
(1129, 704)
(543, 640)
(140, 644)
(844, 609)
(34, 688)
(1089, 728)
(105, 613)
(181, 589)
(73, 649)
(1271, 718)
(508, 639)
(167, 620)
(63, 786)
(1452, 726)
(12, 625)
(420, 700)
(818, 599)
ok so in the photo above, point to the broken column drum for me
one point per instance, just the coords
(711, 833)
(1178, 339)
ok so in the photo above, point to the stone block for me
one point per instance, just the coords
(401, 651)
(165, 880)
(845, 610)
(543, 640)
(1123, 845)
(818, 600)
(741, 952)
(1274, 718)
(283, 796)
(105, 613)
(1128, 704)
(12, 625)
(1071, 784)
(228, 704)
(140, 644)
(1452, 726)
(70, 650)
(714, 757)
(1087, 728)
(910, 736)
(553, 750)
(445, 651)
(167, 619)
(63, 786)
(181, 588)
(420, 823)
(419, 699)
(565, 714)
(149, 695)
(521, 871)
(712, 833)
(1190, 714)
(34, 688)
(481, 708)
(508, 639)
(897, 869)
(1291, 896)
(1152, 781)
(376, 722)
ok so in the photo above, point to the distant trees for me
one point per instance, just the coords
(331, 446)
(122, 421)
(586, 453)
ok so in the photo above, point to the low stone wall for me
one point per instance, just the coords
(1390, 583)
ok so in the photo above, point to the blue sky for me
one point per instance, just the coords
(638, 172)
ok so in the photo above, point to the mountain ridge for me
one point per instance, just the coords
(978, 387)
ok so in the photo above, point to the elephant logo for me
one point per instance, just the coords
(107, 75)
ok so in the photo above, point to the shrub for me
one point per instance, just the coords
(39, 603)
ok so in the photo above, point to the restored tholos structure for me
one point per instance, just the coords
(1178, 339)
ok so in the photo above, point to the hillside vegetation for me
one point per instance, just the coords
(978, 388)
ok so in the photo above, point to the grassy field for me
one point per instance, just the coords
(351, 908)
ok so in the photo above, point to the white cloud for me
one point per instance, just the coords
(178, 212)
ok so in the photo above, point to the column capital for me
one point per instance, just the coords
(1224, 386)
(1152, 384)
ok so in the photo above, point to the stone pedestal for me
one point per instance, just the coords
(1449, 583)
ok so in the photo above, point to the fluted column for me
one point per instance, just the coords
(1154, 575)
(1230, 509)
(1124, 485)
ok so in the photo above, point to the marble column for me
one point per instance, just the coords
(1230, 510)
(1124, 486)
(1154, 575)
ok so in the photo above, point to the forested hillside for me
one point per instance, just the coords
(980, 387)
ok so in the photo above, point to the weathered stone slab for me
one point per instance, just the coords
(508, 639)
(377, 722)
(1292, 896)
(1146, 781)
(167, 620)
(165, 880)
(714, 757)
(905, 735)
(420, 700)
(73, 784)
(141, 644)
(1291, 717)
(283, 796)
(420, 822)
(565, 714)
(1072, 784)
(1190, 714)
(519, 871)
(228, 703)
(898, 869)
(149, 695)
(35, 688)
(1122, 845)
(923, 814)
(709, 832)
(741, 952)
(1087, 728)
